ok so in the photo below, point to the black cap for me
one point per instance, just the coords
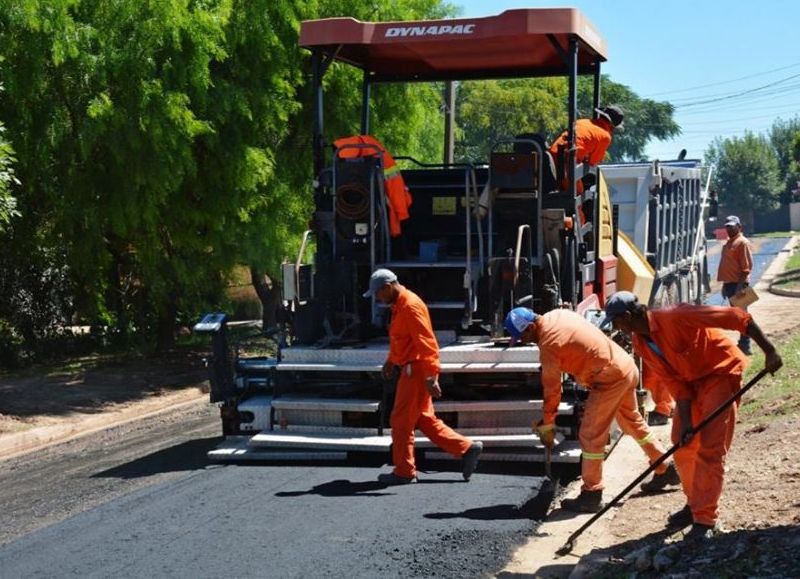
(614, 114)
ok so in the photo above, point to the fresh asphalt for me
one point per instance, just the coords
(289, 521)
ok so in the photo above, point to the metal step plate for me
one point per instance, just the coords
(446, 367)
(468, 350)
(243, 449)
(325, 404)
(327, 440)
(568, 452)
(564, 408)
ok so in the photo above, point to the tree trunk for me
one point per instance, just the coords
(167, 325)
(269, 294)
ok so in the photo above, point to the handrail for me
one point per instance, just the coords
(541, 152)
(520, 231)
(297, 264)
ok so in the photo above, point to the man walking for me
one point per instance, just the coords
(685, 348)
(414, 355)
(568, 343)
(735, 265)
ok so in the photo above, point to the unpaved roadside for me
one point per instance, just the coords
(49, 405)
(762, 485)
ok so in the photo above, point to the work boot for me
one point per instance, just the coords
(700, 532)
(659, 481)
(586, 502)
(391, 479)
(680, 519)
(470, 459)
(657, 419)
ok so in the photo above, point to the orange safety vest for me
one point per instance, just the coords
(397, 194)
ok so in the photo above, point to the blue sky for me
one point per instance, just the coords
(743, 55)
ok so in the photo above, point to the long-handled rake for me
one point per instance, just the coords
(570, 544)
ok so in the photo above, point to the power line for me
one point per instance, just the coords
(724, 81)
(739, 94)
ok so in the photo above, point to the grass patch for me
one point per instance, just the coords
(793, 262)
(774, 396)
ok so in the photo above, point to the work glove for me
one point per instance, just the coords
(547, 434)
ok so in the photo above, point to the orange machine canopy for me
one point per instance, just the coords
(516, 43)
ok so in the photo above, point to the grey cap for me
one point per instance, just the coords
(378, 279)
(619, 303)
(732, 220)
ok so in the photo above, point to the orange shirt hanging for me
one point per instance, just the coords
(397, 195)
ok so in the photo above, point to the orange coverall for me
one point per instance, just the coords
(397, 195)
(697, 362)
(413, 347)
(568, 343)
(736, 261)
(663, 400)
(592, 139)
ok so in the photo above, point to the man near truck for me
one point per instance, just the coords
(685, 348)
(735, 265)
(569, 344)
(414, 359)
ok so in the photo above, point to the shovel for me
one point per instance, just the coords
(570, 544)
(550, 485)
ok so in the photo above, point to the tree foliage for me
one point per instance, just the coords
(782, 136)
(162, 143)
(8, 203)
(747, 173)
(488, 111)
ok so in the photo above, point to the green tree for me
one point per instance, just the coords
(645, 119)
(8, 203)
(162, 143)
(488, 111)
(782, 135)
(747, 174)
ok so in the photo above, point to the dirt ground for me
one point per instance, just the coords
(93, 385)
(760, 506)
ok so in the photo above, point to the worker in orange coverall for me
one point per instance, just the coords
(665, 403)
(592, 139)
(568, 343)
(685, 347)
(414, 355)
(735, 265)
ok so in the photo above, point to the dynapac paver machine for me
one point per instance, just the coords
(471, 260)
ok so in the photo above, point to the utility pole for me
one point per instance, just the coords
(449, 121)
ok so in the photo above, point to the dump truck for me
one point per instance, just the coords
(321, 396)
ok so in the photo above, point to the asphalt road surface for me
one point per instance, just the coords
(142, 500)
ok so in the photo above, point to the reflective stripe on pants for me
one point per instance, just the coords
(605, 403)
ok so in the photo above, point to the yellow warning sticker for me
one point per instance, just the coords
(444, 205)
